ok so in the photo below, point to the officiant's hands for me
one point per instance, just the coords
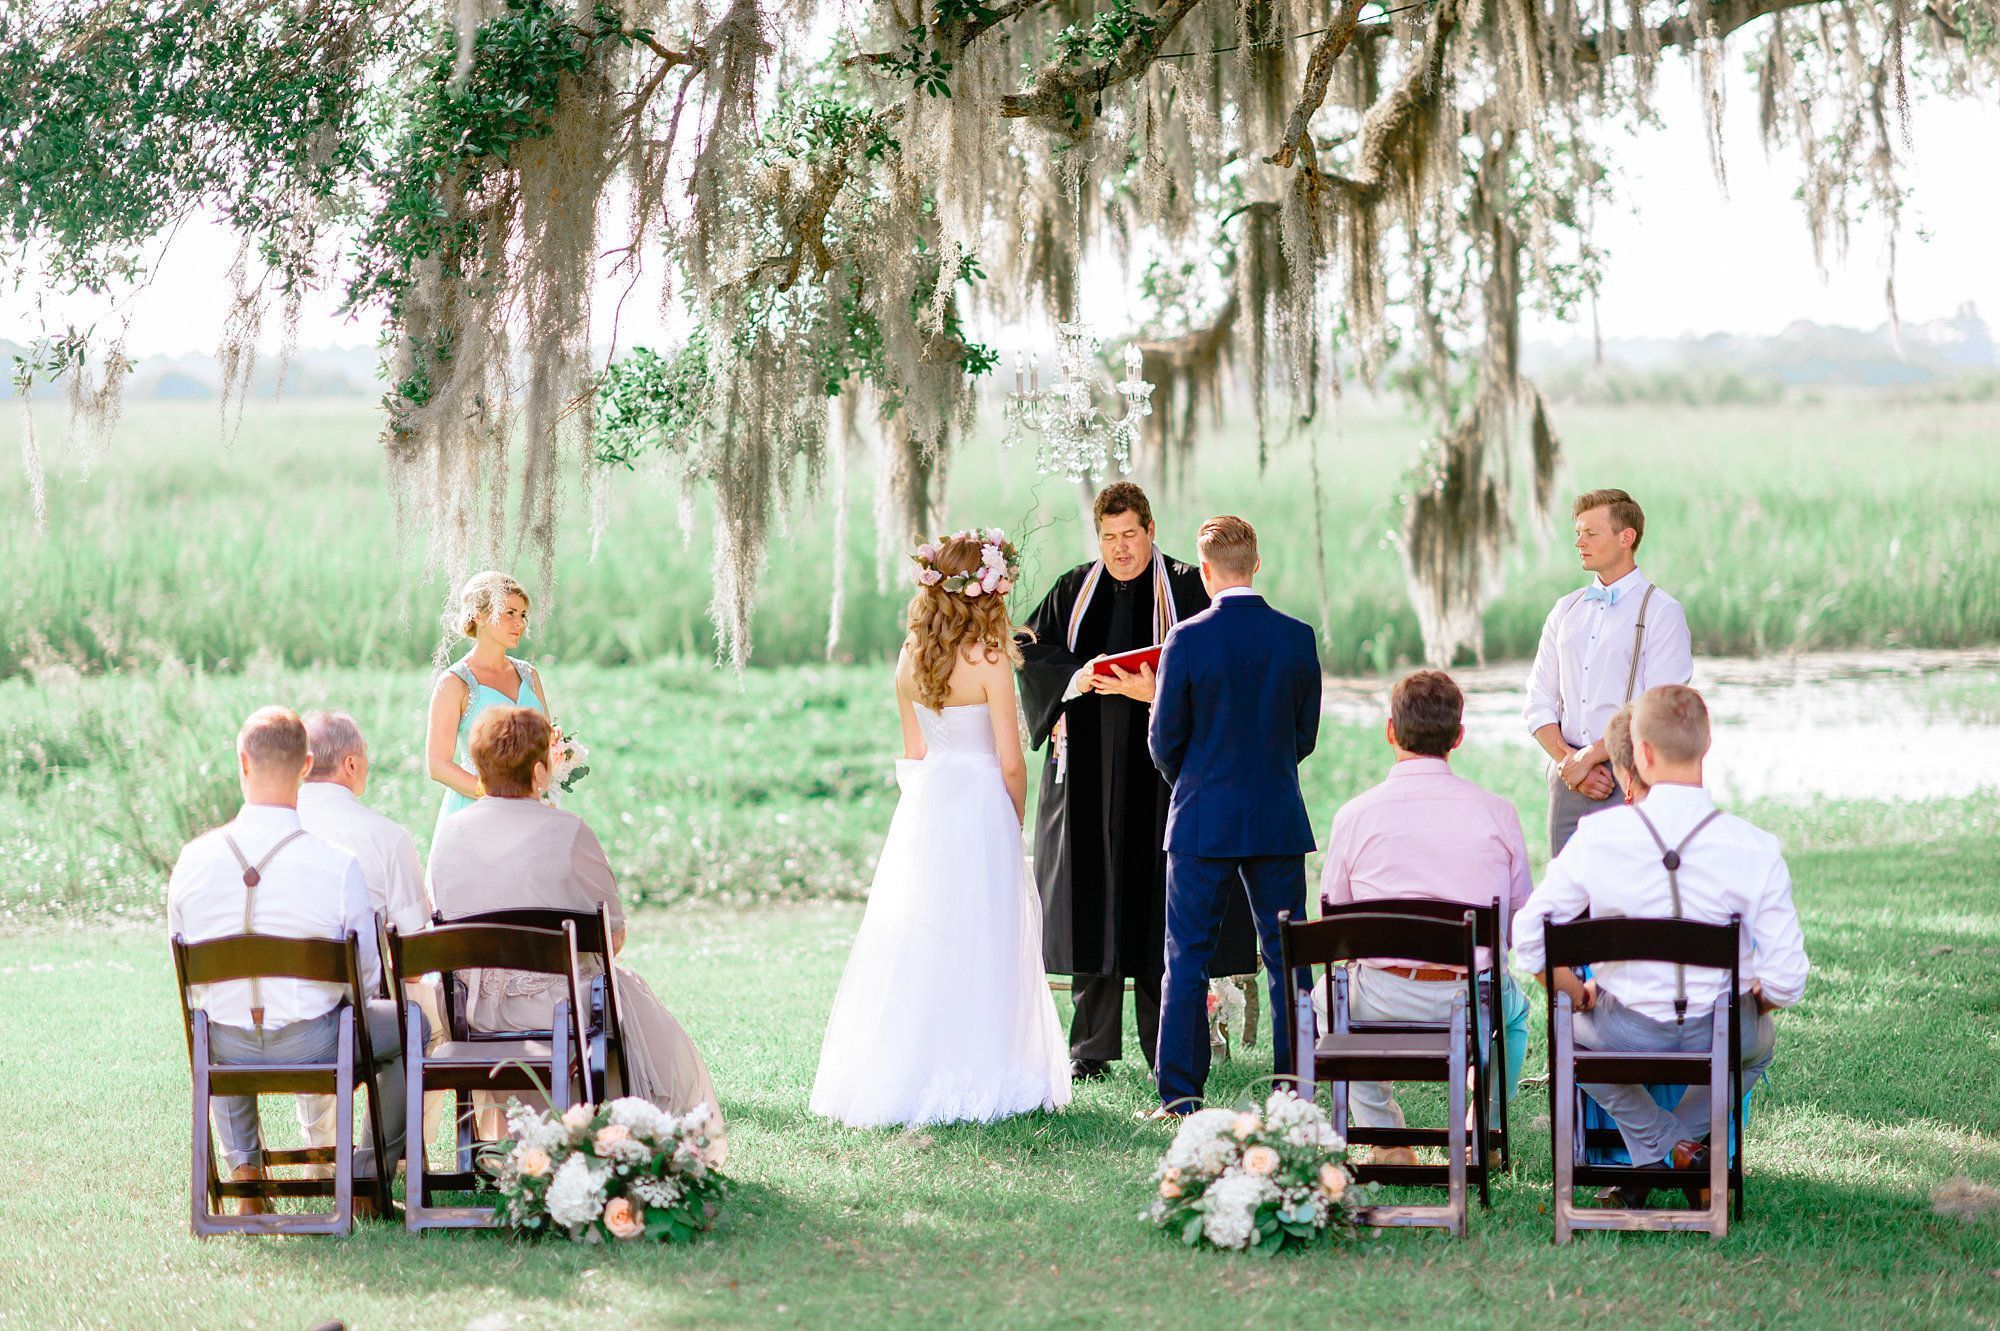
(1139, 687)
(1086, 679)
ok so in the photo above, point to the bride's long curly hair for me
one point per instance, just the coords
(947, 625)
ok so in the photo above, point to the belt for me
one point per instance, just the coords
(1427, 974)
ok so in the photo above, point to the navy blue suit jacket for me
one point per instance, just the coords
(1235, 711)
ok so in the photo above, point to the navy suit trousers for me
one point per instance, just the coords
(1197, 888)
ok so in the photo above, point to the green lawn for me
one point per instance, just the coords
(1887, 1083)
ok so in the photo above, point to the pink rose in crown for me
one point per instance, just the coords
(927, 552)
(930, 577)
(1006, 585)
(973, 589)
(995, 535)
(991, 580)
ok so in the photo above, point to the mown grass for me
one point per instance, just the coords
(1887, 1083)
(1847, 522)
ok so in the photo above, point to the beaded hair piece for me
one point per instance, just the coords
(999, 565)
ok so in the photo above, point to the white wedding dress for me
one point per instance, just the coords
(943, 1013)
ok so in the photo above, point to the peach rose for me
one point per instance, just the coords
(1246, 1123)
(1260, 1160)
(576, 1116)
(534, 1162)
(622, 1219)
(1170, 1183)
(610, 1135)
(1332, 1181)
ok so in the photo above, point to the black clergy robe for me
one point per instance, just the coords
(1100, 830)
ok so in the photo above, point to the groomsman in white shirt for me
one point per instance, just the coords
(1616, 864)
(1602, 646)
(330, 808)
(301, 888)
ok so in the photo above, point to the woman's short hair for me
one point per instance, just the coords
(1427, 710)
(483, 596)
(506, 744)
(1618, 740)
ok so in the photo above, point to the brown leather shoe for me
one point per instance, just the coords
(1392, 1155)
(1691, 1155)
(249, 1205)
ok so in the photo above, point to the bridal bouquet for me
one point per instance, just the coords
(625, 1169)
(1254, 1180)
(572, 761)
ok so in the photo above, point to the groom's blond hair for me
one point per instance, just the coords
(1229, 544)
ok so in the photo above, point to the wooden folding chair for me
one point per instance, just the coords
(605, 1022)
(1445, 1055)
(1680, 942)
(264, 957)
(500, 1062)
(1487, 929)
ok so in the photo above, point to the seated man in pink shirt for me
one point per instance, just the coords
(1425, 832)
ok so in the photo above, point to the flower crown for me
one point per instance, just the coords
(999, 565)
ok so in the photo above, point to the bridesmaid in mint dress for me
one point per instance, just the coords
(492, 610)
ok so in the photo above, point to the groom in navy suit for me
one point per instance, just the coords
(1235, 711)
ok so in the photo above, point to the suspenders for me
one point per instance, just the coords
(1670, 860)
(253, 875)
(1638, 641)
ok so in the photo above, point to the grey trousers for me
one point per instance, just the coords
(1566, 807)
(310, 1041)
(1375, 995)
(1651, 1131)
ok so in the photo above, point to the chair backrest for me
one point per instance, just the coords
(1585, 942)
(455, 947)
(593, 927)
(1362, 934)
(1485, 919)
(270, 957)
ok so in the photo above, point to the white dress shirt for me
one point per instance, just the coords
(1228, 592)
(331, 812)
(1612, 867)
(310, 890)
(1585, 655)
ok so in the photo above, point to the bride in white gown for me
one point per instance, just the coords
(943, 1013)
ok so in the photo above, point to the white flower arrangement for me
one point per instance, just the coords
(572, 761)
(622, 1170)
(1256, 1179)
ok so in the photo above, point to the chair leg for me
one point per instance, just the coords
(1719, 1115)
(203, 1188)
(343, 1123)
(416, 1183)
(1455, 1143)
(1562, 1072)
(1303, 1042)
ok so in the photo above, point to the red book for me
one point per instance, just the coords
(1128, 662)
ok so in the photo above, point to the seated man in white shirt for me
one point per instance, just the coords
(301, 888)
(330, 808)
(1616, 864)
(1425, 832)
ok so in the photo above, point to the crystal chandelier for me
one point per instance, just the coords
(1077, 440)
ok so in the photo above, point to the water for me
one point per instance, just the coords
(1820, 725)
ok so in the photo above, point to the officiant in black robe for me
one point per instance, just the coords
(1100, 829)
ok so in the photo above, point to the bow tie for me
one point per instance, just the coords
(1597, 591)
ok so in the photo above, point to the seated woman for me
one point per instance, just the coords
(511, 851)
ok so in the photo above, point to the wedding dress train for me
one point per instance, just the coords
(943, 1013)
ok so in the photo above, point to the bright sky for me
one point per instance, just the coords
(1683, 258)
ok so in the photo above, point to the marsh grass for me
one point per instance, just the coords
(1886, 1085)
(1842, 523)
